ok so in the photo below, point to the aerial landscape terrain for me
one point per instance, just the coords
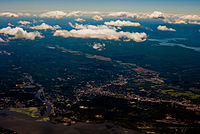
(99, 67)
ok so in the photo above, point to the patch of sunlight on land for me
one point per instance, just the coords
(130, 89)
(67, 120)
(178, 94)
(84, 54)
(44, 119)
(166, 91)
(119, 96)
(98, 57)
(30, 111)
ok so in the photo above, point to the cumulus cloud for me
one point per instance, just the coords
(94, 27)
(98, 46)
(9, 14)
(176, 18)
(179, 22)
(9, 24)
(118, 14)
(45, 26)
(164, 28)
(190, 17)
(122, 23)
(24, 22)
(194, 22)
(100, 32)
(79, 20)
(175, 21)
(123, 14)
(97, 18)
(60, 14)
(186, 19)
(20, 33)
(156, 15)
(53, 14)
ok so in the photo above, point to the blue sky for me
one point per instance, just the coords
(172, 6)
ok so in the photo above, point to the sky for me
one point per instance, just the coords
(170, 6)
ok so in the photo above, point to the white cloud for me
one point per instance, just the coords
(100, 32)
(79, 20)
(71, 24)
(9, 24)
(179, 22)
(187, 19)
(81, 26)
(177, 18)
(9, 14)
(60, 14)
(175, 21)
(53, 14)
(164, 28)
(18, 33)
(137, 37)
(45, 26)
(74, 14)
(118, 14)
(156, 15)
(1, 40)
(123, 14)
(98, 46)
(82, 13)
(24, 22)
(173, 18)
(194, 22)
(122, 23)
(190, 17)
(97, 18)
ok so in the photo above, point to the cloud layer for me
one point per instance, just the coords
(9, 14)
(122, 23)
(94, 27)
(176, 18)
(53, 14)
(156, 15)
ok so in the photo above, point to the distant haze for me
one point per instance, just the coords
(171, 6)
